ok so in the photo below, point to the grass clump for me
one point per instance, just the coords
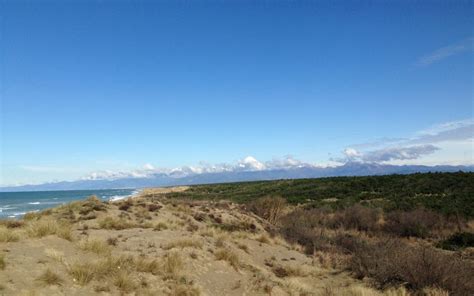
(8, 235)
(160, 226)
(172, 265)
(146, 265)
(115, 223)
(50, 278)
(82, 273)
(184, 243)
(124, 281)
(184, 290)
(228, 255)
(96, 246)
(49, 226)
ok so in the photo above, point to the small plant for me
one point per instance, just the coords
(96, 246)
(50, 278)
(124, 282)
(184, 243)
(114, 223)
(264, 239)
(49, 226)
(8, 235)
(144, 265)
(172, 265)
(160, 226)
(112, 241)
(269, 208)
(82, 273)
(229, 256)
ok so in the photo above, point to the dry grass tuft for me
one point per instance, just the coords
(184, 243)
(115, 223)
(228, 255)
(161, 226)
(124, 281)
(82, 273)
(8, 235)
(264, 239)
(50, 278)
(96, 246)
(55, 255)
(49, 226)
(172, 265)
(286, 271)
(144, 265)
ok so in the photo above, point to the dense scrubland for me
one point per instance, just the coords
(385, 235)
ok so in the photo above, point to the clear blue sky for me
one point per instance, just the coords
(96, 85)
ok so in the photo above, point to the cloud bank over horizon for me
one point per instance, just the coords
(433, 146)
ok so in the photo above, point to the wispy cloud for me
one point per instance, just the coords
(44, 169)
(421, 144)
(445, 52)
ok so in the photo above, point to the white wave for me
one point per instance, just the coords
(34, 203)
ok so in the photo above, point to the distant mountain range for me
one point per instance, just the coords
(163, 179)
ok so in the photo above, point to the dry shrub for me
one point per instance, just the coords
(393, 262)
(12, 223)
(417, 223)
(93, 203)
(154, 207)
(126, 204)
(288, 270)
(299, 227)
(360, 218)
(269, 208)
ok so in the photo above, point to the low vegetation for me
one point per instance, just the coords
(333, 236)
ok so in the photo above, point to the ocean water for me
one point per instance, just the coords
(16, 204)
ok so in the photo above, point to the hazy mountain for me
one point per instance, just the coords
(162, 179)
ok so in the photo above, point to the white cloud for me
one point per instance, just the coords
(445, 52)
(426, 142)
(398, 153)
(248, 163)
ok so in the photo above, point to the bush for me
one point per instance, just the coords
(458, 241)
(417, 223)
(269, 208)
(298, 227)
(360, 218)
(393, 262)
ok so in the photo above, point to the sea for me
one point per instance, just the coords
(16, 204)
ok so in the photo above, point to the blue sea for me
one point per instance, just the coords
(16, 204)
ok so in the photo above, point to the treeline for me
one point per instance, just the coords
(451, 194)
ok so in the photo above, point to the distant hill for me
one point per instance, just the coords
(162, 179)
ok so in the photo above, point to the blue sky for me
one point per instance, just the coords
(113, 85)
